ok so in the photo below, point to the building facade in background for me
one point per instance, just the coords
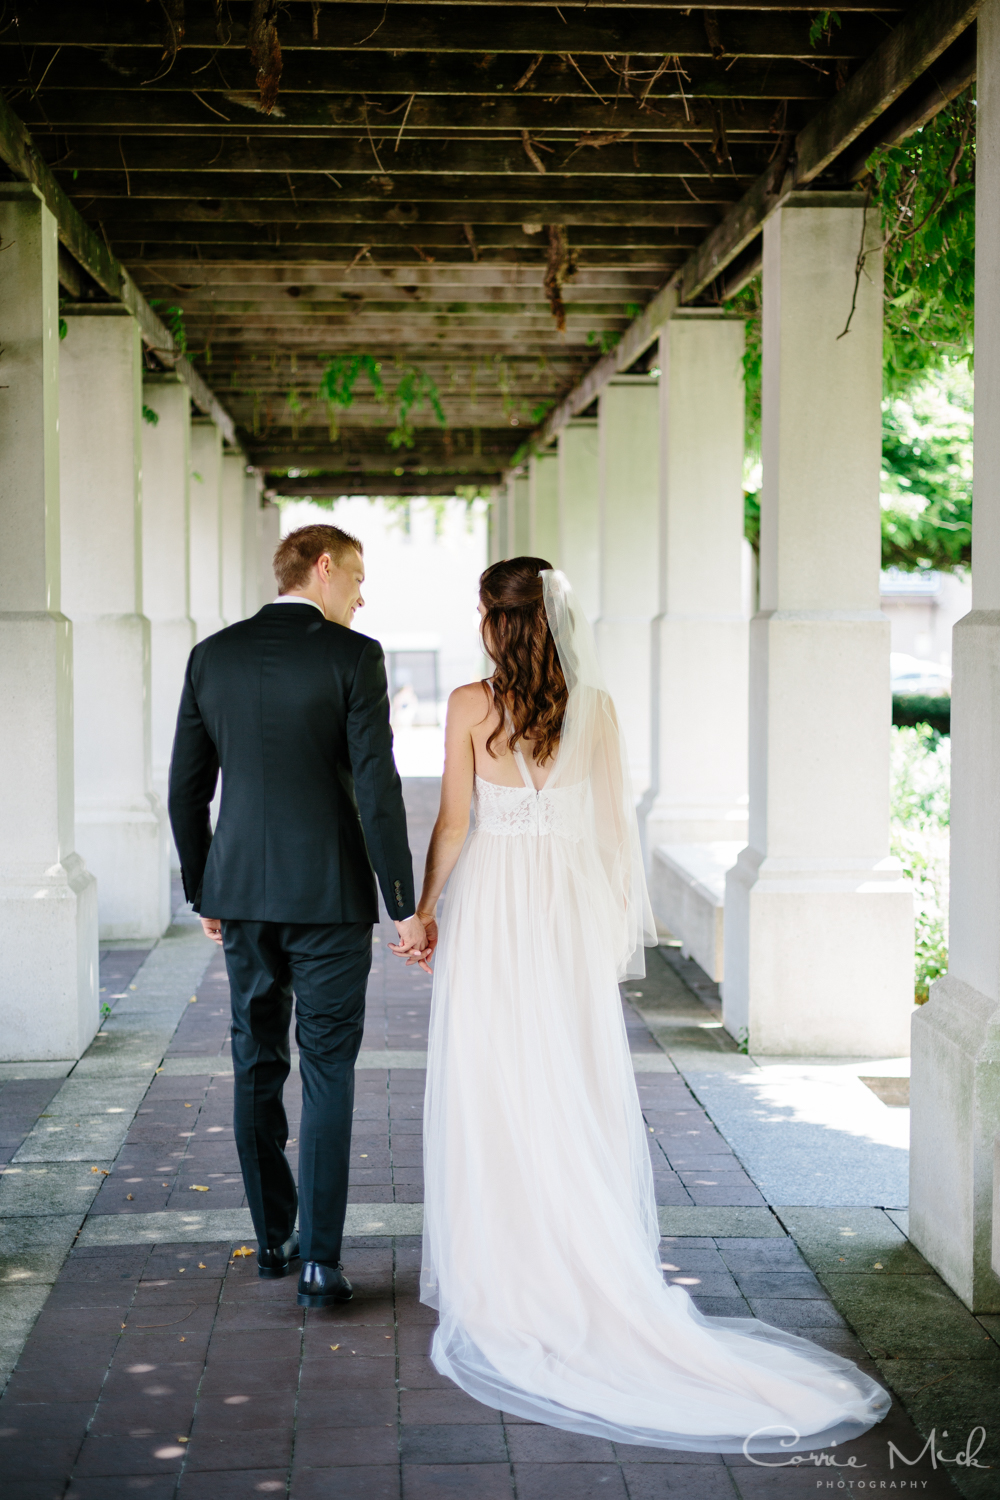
(423, 559)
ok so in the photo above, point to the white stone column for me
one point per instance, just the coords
(206, 527)
(703, 641)
(166, 473)
(252, 600)
(955, 1071)
(628, 480)
(518, 516)
(231, 535)
(497, 534)
(270, 536)
(121, 824)
(579, 511)
(543, 505)
(818, 920)
(48, 899)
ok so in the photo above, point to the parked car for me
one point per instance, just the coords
(911, 674)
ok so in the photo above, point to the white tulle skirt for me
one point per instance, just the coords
(540, 1231)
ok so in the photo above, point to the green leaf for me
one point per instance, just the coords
(822, 26)
(149, 415)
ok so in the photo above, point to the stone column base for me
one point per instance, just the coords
(48, 938)
(819, 960)
(955, 1100)
(128, 849)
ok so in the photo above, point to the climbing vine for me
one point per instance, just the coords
(923, 191)
(174, 319)
(413, 387)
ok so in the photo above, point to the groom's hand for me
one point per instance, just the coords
(412, 938)
(212, 928)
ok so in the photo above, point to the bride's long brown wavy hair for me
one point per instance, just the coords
(527, 678)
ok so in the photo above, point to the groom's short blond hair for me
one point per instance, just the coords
(301, 549)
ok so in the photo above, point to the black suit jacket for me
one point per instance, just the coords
(295, 711)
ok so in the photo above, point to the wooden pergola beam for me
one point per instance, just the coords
(310, 76)
(420, 485)
(754, 92)
(907, 52)
(910, 49)
(200, 166)
(118, 215)
(238, 239)
(21, 155)
(478, 29)
(184, 195)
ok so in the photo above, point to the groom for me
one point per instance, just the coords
(292, 706)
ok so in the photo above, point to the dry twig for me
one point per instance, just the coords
(265, 50)
(531, 153)
(527, 73)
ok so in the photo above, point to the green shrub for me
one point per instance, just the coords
(919, 821)
(916, 709)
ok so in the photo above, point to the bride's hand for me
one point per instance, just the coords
(431, 941)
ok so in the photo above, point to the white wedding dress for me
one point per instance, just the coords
(540, 1226)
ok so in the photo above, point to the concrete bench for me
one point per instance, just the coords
(688, 890)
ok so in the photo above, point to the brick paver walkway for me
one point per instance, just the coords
(171, 1371)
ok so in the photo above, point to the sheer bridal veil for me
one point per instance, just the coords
(592, 752)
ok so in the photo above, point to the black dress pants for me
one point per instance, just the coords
(327, 966)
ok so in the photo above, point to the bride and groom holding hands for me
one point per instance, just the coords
(540, 1247)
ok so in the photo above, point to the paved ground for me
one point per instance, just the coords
(147, 1358)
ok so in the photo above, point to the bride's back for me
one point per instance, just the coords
(498, 764)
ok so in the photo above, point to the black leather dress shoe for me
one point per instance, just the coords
(323, 1286)
(275, 1263)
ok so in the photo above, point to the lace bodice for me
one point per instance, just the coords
(521, 809)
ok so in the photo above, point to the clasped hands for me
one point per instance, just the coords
(418, 937)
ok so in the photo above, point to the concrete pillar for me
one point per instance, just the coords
(231, 535)
(628, 481)
(206, 527)
(702, 700)
(518, 516)
(497, 524)
(121, 824)
(166, 475)
(252, 600)
(955, 1078)
(579, 511)
(48, 898)
(543, 505)
(818, 920)
(270, 536)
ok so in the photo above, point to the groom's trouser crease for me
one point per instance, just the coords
(328, 966)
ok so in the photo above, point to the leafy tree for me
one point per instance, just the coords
(924, 192)
(927, 473)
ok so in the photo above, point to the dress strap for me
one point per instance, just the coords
(519, 760)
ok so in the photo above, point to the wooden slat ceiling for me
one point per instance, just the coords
(400, 179)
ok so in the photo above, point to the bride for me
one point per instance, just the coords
(540, 1225)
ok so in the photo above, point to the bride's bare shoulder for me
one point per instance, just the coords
(470, 704)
